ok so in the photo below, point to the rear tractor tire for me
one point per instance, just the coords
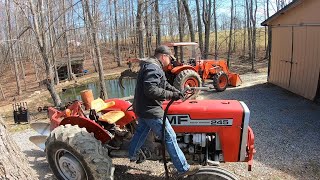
(188, 77)
(75, 154)
(220, 81)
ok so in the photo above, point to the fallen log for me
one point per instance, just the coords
(13, 163)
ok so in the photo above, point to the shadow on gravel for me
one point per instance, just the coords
(286, 128)
(134, 173)
(39, 163)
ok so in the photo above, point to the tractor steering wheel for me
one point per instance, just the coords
(187, 93)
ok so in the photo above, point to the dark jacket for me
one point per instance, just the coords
(152, 88)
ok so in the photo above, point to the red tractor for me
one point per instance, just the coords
(79, 144)
(189, 69)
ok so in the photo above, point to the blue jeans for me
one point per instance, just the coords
(144, 126)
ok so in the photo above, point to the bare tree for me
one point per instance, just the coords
(199, 27)
(117, 33)
(64, 30)
(147, 28)
(11, 49)
(189, 18)
(230, 33)
(139, 28)
(206, 17)
(157, 20)
(267, 30)
(38, 24)
(215, 29)
(180, 28)
(92, 28)
(51, 34)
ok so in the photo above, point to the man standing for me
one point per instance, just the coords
(151, 89)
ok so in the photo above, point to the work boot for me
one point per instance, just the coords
(191, 171)
(141, 157)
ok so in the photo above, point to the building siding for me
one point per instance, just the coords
(295, 59)
(295, 49)
(305, 13)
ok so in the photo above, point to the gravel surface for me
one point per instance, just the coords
(286, 128)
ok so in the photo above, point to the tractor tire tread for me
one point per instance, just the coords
(95, 156)
(183, 76)
(216, 78)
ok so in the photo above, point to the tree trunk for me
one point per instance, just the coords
(2, 93)
(248, 6)
(64, 31)
(199, 27)
(215, 30)
(139, 29)
(88, 40)
(40, 36)
(267, 37)
(230, 34)
(103, 88)
(51, 32)
(117, 34)
(180, 30)
(146, 25)
(189, 18)
(244, 34)
(12, 52)
(206, 16)
(13, 163)
(157, 19)
(254, 29)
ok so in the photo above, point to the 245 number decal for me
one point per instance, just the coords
(221, 122)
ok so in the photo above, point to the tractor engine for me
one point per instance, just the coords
(200, 148)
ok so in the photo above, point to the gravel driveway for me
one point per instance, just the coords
(286, 128)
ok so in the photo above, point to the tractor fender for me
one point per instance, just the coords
(178, 69)
(91, 126)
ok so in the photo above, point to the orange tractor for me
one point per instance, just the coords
(189, 69)
(188, 59)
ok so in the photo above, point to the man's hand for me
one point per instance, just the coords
(177, 95)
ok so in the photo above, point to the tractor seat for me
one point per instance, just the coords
(99, 104)
(109, 117)
(112, 116)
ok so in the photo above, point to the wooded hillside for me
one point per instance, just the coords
(35, 33)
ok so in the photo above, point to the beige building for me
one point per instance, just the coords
(294, 62)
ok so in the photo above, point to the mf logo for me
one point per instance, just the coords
(178, 119)
(185, 120)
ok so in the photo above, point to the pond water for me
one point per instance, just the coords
(113, 90)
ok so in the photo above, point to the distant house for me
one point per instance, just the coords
(76, 64)
(294, 62)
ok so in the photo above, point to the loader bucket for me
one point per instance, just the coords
(234, 79)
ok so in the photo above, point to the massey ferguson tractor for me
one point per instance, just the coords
(81, 140)
(190, 70)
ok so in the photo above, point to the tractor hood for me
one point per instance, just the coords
(229, 119)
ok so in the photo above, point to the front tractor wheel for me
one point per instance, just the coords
(75, 154)
(220, 81)
(188, 77)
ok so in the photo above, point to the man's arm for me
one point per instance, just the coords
(152, 78)
(171, 88)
